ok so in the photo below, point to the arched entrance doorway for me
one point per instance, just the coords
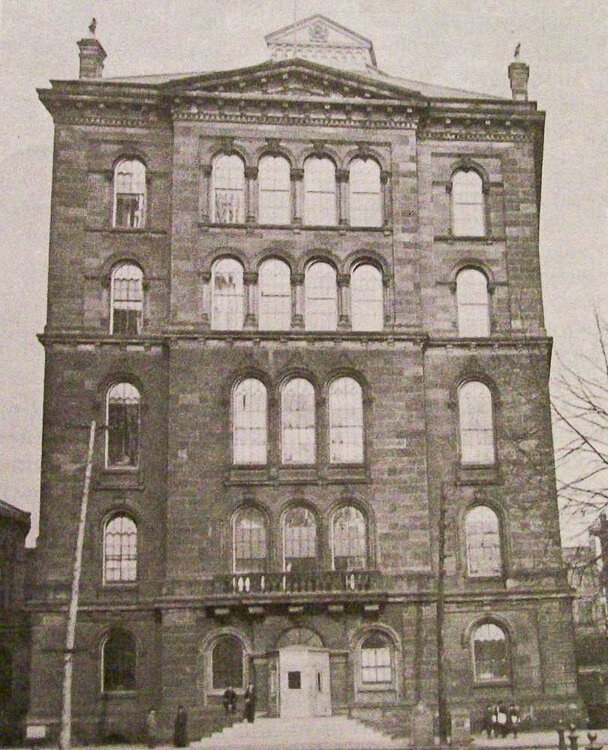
(303, 674)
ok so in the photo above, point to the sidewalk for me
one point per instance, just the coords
(540, 739)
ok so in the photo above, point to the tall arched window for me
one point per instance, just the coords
(274, 183)
(250, 541)
(376, 660)
(468, 204)
(365, 193)
(122, 419)
(227, 311)
(119, 661)
(345, 422)
(320, 206)
(298, 444)
(321, 313)
(490, 653)
(274, 284)
(227, 663)
(120, 550)
(127, 299)
(228, 188)
(472, 302)
(476, 423)
(129, 194)
(349, 539)
(367, 298)
(299, 541)
(482, 532)
(250, 427)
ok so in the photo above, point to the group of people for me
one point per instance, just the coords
(500, 720)
(230, 698)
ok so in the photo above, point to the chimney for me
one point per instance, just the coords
(518, 77)
(92, 55)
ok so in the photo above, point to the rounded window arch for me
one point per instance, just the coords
(228, 304)
(228, 189)
(345, 421)
(349, 539)
(298, 422)
(365, 193)
(250, 422)
(367, 298)
(227, 663)
(274, 288)
(377, 660)
(468, 204)
(119, 549)
(472, 300)
(118, 662)
(321, 292)
(126, 299)
(123, 414)
(274, 186)
(298, 636)
(483, 542)
(476, 421)
(299, 540)
(320, 203)
(490, 653)
(250, 541)
(129, 194)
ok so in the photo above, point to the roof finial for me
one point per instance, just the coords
(93, 26)
(517, 51)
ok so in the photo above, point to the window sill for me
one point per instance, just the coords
(123, 694)
(297, 474)
(127, 230)
(118, 479)
(492, 684)
(484, 239)
(478, 474)
(296, 227)
(380, 688)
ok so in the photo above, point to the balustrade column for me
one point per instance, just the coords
(204, 194)
(342, 176)
(297, 300)
(297, 195)
(250, 281)
(251, 209)
(386, 198)
(344, 322)
(205, 277)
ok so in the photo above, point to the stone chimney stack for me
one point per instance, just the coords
(92, 55)
(518, 78)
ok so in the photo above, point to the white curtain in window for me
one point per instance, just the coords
(127, 299)
(349, 539)
(482, 531)
(250, 422)
(129, 194)
(468, 204)
(472, 302)
(490, 656)
(274, 285)
(227, 313)
(298, 422)
(476, 423)
(367, 298)
(299, 540)
(365, 193)
(274, 181)
(345, 422)
(120, 550)
(321, 313)
(122, 419)
(228, 189)
(250, 541)
(320, 207)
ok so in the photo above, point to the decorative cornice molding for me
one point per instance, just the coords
(457, 134)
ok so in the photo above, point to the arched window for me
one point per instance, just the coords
(476, 423)
(472, 302)
(249, 430)
(482, 531)
(321, 297)
(345, 422)
(299, 541)
(228, 180)
(367, 298)
(376, 660)
(320, 207)
(227, 663)
(129, 194)
(349, 539)
(274, 190)
(119, 658)
(250, 541)
(122, 419)
(490, 653)
(227, 312)
(468, 204)
(120, 550)
(127, 299)
(298, 444)
(274, 284)
(365, 193)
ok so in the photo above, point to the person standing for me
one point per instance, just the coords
(180, 734)
(250, 703)
(514, 719)
(151, 728)
(503, 727)
(488, 723)
(229, 700)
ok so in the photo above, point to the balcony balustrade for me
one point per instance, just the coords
(298, 582)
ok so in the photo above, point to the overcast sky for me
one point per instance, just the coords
(461, 43)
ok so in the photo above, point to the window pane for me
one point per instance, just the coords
(275, 296)
(274, 190)
(345, 422)
(349, 536)
(227, 663)
(298, 422)
(129, 194)
(228, 204)
(119, 662)
(249, 542)
(365, 194)
(127, 300)
(483, 542)
(228, 304)
(300, 540)
(367, 299)
(376, 663)
(321, 297)
(468, 206)
(122, 417)
(472, 301)
(490, 653)
(476, 424)
(250, 422)
(320, 206)
(120, 550)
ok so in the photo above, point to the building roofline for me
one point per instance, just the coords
(16, 514)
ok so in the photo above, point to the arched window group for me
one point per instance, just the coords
(298, 422)
(123, 404)
(476, 420)
(129, 194)
(468, 204)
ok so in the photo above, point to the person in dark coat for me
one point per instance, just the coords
(229, 700)
(250, 703)
(180, 735)
(488, 721)
(514, 719)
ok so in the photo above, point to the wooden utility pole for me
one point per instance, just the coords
(442, 707)
(65, 736)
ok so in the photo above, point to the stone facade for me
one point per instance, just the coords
(185, 490)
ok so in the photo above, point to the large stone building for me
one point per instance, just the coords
(303, 298)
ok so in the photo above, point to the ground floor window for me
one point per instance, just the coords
(119, 657)
(490, 653)
(227, 663)
(376, 660)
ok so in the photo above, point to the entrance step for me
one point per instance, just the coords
(313, 733)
